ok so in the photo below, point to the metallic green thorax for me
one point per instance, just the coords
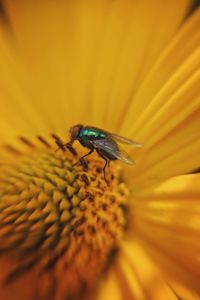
(100, 141)
(92, 133)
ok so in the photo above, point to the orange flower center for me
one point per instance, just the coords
(56, 216)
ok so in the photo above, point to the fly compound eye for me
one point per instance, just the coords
(74, 131)
(71, 132)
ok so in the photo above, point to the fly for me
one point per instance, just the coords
(103, 142)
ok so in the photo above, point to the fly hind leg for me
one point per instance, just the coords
(107, 161)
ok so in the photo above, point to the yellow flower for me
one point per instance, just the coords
(130, 67)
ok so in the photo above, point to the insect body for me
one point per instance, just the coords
(105, 143)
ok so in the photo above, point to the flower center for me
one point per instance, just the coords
(54, 215)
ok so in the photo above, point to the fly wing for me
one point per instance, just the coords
(107, 146)
(124, 140)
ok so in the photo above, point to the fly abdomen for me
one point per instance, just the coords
(105, 154)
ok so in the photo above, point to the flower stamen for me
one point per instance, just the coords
(56, 215)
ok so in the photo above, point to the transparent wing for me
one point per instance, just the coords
(107, 146)
(124, 140)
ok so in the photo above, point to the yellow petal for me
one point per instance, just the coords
(109, 288)
(146, 43)
(177, 153)
(143, 278)
(167, 221)
(171, 74)
(19, 112)
(86, 57)
(165, 112)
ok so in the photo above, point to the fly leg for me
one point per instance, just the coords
(104, 170)
(107, 161)
(81, 160)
